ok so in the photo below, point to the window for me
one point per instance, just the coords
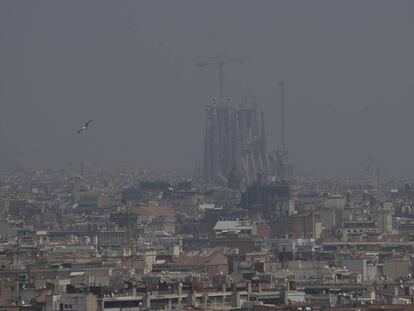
(112, 304)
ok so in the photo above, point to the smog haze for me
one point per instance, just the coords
(131, 67)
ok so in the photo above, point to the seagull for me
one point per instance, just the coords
(84, 127)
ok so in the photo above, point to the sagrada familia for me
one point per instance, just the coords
(233, 141)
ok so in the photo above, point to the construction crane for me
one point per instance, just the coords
(220, 62)
(368, 167)
(282, 114)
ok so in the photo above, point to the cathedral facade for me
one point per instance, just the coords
(234, 138)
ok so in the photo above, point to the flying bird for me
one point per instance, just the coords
(84, 127)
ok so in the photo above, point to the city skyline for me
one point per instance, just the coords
(206, 155)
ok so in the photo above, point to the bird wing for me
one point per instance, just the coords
(80, 130)
(87, 123)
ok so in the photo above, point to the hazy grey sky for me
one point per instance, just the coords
(130, 65)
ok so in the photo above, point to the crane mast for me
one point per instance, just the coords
(282, 115)
(220, 62)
